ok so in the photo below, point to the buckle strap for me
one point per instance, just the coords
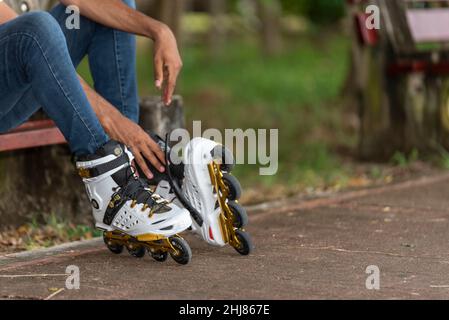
(87, 173)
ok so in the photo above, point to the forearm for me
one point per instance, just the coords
(121, 129)
(103, 109)
(6, 13)
(117, 15)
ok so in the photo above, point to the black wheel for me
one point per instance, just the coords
(225, 156)
(114, 248)
(184, 253)
(137, 251)
(159, 256)
(233, 185)
(246, 244)
(239, 214)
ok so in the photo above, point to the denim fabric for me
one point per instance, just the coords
(112, 59)
(38, 56)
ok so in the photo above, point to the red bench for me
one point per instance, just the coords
(418, 31)
(32, 134)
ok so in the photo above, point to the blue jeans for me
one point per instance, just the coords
(38, 56)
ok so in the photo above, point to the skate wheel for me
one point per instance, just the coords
(225, 156)
(239, 214)
(159, 256)
(233, 185)
(184, 253)
(114, 248)
(137, 251)
(246, 244)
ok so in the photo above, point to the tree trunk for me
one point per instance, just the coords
(217, 32)
(270, 12)
(147, 7)
(155, 116)
(170, 12)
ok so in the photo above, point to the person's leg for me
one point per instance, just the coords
(36, 71)
(17, 107)
(112, 59)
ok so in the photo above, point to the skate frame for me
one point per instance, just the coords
(153, 243)
(226, 215)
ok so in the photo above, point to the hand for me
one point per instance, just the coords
(123, 130)
(167, 63)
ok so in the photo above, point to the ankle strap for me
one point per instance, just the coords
(88, 173)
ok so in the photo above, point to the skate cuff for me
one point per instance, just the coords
(88, 173)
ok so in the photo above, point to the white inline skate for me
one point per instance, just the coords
(128, 212)
(203, 184)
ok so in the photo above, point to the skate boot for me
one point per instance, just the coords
(128, 212)
(203, 184)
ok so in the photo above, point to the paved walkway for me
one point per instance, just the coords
(315, 249)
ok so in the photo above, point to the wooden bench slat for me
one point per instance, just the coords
(17, 140)
(34, 125)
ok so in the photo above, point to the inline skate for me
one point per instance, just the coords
(203, 184)
(129, 213)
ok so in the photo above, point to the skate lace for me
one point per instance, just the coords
(137, 190)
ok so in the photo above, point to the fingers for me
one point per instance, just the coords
(154, 150)
(173, 72)
(141, 163)
(141, 145)
(158, 73)
(154, 147)
(150, 156)
(142, 153)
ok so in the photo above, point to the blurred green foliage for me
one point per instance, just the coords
(318, 11)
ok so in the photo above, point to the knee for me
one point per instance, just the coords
(39, 29)
(38, 19)
(41, 24)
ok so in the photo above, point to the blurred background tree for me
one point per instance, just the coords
(317, 11)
